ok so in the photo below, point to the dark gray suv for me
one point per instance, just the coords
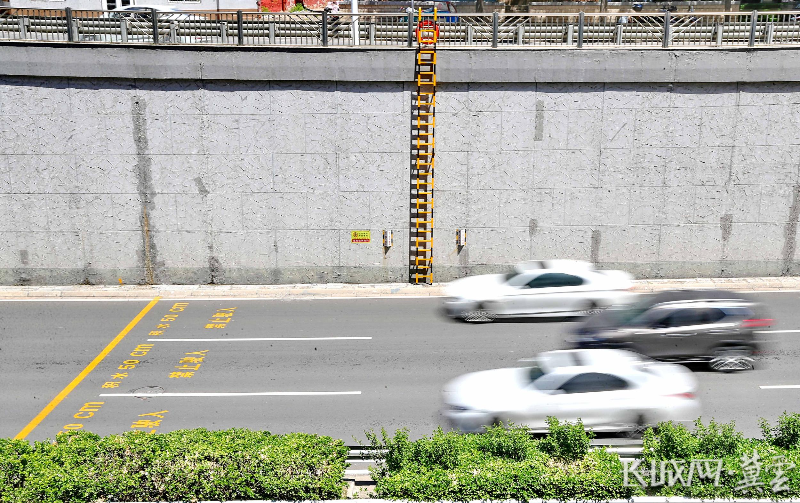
(717, 327)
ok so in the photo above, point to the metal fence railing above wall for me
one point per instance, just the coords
(579, 30)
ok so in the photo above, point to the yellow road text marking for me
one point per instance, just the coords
(75, 382)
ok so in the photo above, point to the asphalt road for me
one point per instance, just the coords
(360, 364)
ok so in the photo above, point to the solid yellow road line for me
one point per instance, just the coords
(75, 382)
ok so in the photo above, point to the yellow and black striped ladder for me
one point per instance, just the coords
(423, 152)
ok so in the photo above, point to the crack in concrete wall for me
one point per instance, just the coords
(595, 251)
(790, 236)
(144, 186)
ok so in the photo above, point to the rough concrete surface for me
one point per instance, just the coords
(250, 182)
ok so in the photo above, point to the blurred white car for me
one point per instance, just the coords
(538, 288)
(608, 389)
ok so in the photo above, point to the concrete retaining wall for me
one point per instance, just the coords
(247, 181)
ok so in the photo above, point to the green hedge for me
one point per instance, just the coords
(504, 463)
(185, 465)
(510, 464)
(781, 444)
(500, 464)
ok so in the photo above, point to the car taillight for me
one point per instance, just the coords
(689, 396)
(757, 323)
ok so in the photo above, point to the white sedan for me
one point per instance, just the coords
(538, 288)
(608, 389)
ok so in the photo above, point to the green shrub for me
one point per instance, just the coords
(567, 441)
(298, 7)
(717, 440)
(786, 434)
(503, 463)
(669, 441)
(181, 465)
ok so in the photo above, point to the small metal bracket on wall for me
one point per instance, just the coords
(388, 239)
(461, 238)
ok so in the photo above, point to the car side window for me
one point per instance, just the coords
(650, 319)
(713, 315)
(688, 317)
(555, 280)
(593, 382)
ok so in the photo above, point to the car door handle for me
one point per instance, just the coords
(678, 334)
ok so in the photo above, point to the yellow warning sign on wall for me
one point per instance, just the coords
(359, 236)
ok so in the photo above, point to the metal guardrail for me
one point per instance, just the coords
(715, 29)
(356, 454)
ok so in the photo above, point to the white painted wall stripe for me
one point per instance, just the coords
(781, 386)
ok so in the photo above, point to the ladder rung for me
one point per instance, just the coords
(418, 202)
(425, 133)
(431, 82)
(422, 173)
(431, 61)
(425, 113)
(428, 124)
(426, 222)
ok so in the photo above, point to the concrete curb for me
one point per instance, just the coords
(341, 290)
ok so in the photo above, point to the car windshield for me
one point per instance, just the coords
(625, 316)
(535, 373)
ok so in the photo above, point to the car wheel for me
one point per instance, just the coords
(732, 359)
(479, 315)
(638, 427)
(591, 307)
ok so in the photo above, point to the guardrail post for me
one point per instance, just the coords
(618, 34)
(123, 30)
(570, 34)
(239, 28)
(223, 32)
(770, 33)
(753, 25)
(372, 33)
(23, 22)
(325, 28)
(272, 31)
(154, 19)
(521, 34)
(70, 30)
(580, 29)
(495, 23)
(470, 33)
(173, 32)
(718, 28)
(411, 29)
(665, 42)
